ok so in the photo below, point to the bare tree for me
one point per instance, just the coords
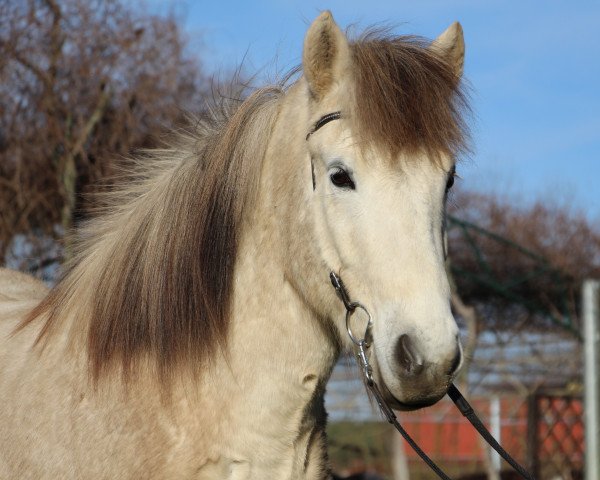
(534, 255)
(82, 83)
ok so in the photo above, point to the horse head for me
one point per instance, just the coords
(385, 130)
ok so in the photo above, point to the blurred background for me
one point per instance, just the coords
(83, 84)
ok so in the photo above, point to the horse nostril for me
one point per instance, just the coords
(407, 355)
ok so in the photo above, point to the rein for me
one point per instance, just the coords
(362, 343)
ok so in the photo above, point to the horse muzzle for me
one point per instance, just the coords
(410, 380)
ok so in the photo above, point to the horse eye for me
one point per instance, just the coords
(341, 179)
(450, 180)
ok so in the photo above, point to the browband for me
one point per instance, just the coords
(320, 122)
(324, 120)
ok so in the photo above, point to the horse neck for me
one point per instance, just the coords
(272, 316)
(273, 327)
(288, 202)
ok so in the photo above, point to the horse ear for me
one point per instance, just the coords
(325, 56)
(451, 46)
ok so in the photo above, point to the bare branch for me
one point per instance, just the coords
(81, 83)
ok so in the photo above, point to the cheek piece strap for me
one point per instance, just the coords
(325, 119)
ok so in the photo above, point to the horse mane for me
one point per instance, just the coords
(156, 265)
(153, 272)
(407, 97)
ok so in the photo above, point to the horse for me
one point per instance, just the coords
(193, 332)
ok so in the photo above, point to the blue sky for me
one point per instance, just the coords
(534, 69)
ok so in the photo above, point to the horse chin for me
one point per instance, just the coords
(411, 401)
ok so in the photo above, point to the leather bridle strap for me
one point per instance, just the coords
(468, 412)
(324, 120)
(391, 418)
(362, 344)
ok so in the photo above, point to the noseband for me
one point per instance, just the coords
(362, 342)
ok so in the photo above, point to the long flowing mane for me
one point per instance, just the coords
(156, 265)
(153, 272)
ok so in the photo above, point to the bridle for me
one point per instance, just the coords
(362, 342)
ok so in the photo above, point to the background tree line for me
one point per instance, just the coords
(84, 83)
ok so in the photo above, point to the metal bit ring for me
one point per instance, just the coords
(349, 312)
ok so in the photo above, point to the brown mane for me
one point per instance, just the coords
(157, 265)
(407, 98)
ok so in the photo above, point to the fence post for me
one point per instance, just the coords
(496, 429)
(591, 335)
(533, 422)
(400, 469)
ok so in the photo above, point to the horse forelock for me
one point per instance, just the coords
(407, 98)
(154, 272)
